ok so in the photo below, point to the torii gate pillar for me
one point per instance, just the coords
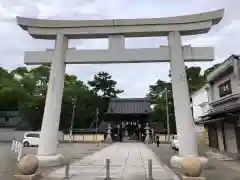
(52, 110)
(116, 31)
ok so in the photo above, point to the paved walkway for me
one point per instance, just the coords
(128, 161)
(218, 156)
(218, 166)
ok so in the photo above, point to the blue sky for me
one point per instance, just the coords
(133, 78)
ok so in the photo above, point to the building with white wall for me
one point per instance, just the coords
(200, 103)
(217, 106)
(200, 107)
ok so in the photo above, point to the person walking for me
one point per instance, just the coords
(158, 141)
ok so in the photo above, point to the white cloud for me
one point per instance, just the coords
(133, 78)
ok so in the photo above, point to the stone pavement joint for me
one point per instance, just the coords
(127, 161)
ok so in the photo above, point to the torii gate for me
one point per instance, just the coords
(116, 30)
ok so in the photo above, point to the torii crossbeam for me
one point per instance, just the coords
(143, 55)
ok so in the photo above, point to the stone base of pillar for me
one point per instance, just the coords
(51, 161)
(192, 178)
(201, 143)
(148, 140)
(35, 176)
(108, 139)
(176, 161)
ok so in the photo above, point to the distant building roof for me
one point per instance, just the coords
(223, 67)
(129, 106)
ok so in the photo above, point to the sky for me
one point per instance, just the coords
(134, 79)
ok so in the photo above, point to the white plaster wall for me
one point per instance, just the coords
(231, 142)
(85, 137)
(199, 98)
(163, 137)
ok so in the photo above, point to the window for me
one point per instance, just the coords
(32, 135)
(225, 89)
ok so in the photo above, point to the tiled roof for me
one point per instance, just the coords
(222, 67)
(129, 106)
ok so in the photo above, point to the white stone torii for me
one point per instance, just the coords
(142, 55)
(116, 30)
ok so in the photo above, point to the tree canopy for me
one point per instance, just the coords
(194, 77)
(157, 94)
(25, 90)
(103, 85)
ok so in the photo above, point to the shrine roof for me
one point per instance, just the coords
(129, 106)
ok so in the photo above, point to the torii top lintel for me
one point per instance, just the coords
(81, 29)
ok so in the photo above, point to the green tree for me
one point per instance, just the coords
(78, 94)
(20, 71)
(11, 91)
(103, 85)
(156, 90)
(25, 90)
(157, 95)
(105, 88)
(34, 83)
(194, 77)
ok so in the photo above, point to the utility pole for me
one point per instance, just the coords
(167, 113)
(97, 112)
(72, 120)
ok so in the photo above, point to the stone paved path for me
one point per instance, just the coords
(128, 161)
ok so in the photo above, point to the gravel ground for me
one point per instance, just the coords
(8, 163)
(217, 169)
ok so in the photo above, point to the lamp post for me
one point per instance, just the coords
(118, 128)
(97, 113)
(139, 131)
